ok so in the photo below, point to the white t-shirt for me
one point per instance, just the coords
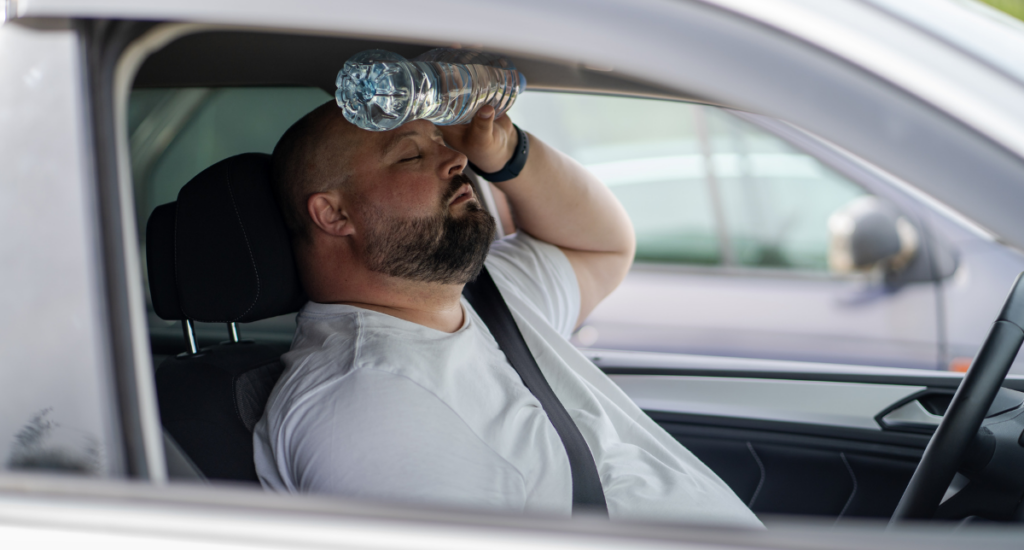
(372, 406)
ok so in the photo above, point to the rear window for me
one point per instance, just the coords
(177, 133)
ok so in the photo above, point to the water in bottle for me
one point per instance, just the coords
(380, 90)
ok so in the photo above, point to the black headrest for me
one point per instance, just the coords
(160, 262)
(233, 258)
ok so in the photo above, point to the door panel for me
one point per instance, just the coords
(880, 484)
(842, 481)
(803, 481)
(851, 405)
(789, 438)
(732, 460)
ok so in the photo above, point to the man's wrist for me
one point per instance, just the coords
(514, 165)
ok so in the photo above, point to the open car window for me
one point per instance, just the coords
(702, 186)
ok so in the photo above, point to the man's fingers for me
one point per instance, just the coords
(485, 112)
(504, 122)
(483, 122)
(488, 142)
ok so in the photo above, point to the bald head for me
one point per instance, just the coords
(311, 157)
(371, 210)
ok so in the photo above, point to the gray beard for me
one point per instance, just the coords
(437, 249)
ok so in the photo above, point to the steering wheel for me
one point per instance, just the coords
(945, 451)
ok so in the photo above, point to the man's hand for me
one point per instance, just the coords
(488, 143)
(556, 200)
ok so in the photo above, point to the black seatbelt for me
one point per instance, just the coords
(483, 295)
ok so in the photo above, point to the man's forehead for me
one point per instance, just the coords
(391, 138)
(358, 143)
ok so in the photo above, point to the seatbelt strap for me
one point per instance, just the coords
(483, 295)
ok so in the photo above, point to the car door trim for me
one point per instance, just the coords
(678, 364)
(827, 438)
(103, 42)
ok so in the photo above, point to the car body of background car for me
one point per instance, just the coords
(906, 93)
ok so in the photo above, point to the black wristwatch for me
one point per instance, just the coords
(514, 164)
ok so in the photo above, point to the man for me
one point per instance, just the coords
(395, 389)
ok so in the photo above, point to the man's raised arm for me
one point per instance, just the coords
(557, 201)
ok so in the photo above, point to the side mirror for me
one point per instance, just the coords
(866, 234)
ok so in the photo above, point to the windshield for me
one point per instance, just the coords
(979, 30)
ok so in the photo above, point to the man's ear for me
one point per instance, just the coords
(327, 211)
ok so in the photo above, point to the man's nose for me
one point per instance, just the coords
(453, 162)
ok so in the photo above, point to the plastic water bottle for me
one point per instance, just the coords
(379, 90)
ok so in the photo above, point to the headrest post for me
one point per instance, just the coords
(190, 336)
(233, 333)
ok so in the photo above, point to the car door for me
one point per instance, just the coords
(732, 240)
(792, 438)
(221, 515)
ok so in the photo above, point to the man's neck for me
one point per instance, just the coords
(438, 308)
(333, 278)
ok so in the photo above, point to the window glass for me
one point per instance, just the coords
(58, 402)
(701, 185)
(647, 152)
(776, 200)
(201, 127)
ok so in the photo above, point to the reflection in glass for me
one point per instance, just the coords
(776, 200)
(701, 185)
(45, 444)
(647, 152)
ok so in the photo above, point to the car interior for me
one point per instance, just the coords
(223, 291)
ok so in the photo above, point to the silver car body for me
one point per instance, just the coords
(914, 98)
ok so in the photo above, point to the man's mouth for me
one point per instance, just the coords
(464, 193)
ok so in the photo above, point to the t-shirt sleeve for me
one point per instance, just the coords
(540, 274)
(381, 436)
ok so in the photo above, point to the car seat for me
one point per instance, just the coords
(221, 254)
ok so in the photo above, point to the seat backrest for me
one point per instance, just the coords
(221, 253)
